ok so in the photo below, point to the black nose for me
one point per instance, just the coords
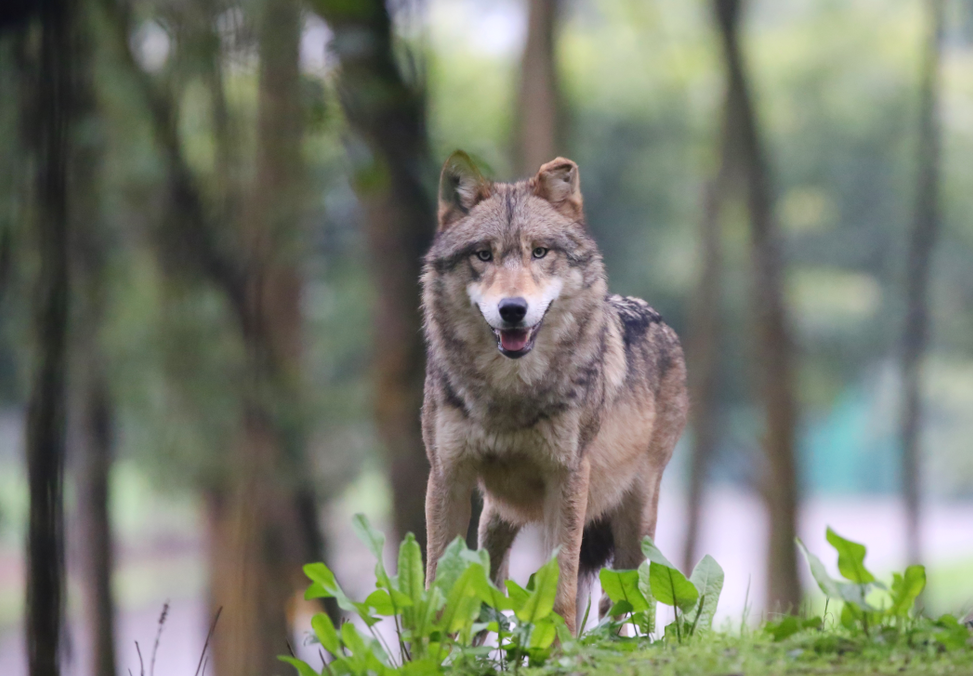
(513, 310)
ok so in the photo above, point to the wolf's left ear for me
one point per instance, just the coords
(461, 187)
(558, 182)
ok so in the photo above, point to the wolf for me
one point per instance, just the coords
(561, 402)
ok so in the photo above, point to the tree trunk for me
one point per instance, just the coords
(925, 229)
(267, 542)
(705, 335)
(775, 351)
(46, 406)
(389, 114)
(91, 399)
(538, 109)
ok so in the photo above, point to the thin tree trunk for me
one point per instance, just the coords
(91, 396)
(706, 331)
(46, 407)
(267, 540)
(925, 230)
(538, 109)
(775, 350)
(389, 114)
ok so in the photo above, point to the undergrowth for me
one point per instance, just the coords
(464, 623)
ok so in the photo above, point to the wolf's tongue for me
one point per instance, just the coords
(514, 340)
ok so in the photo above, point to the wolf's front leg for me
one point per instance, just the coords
(448, 496)
(565, 505)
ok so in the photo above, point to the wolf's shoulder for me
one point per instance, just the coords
(636, 316)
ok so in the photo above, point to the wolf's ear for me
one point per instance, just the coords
(461, 187)
(558, 182)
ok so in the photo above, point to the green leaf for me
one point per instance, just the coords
(543, 633)
(324, 585)
(411, 580)
(828, 585)
(518, 595)
(783, 629)
(353, 640)
(462, 605)
(906, 589)
(668, 584)
(451, 565)
(951, 633)
(707, 577)
(325, 631)
(623, 585)
(303, 668)
(646, 619)
(540, 601)
(488, 592)
(381, 602)
(375, 541)
(851, 559)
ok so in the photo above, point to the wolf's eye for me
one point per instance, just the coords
(539, 252)
(485, 255)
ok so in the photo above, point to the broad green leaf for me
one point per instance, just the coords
(375, 541)
(423, 667)
(324, 585)
(828, 585)
(303, 668)
(646, 619)
(668, 584)
(353, 640)
(540, 602)
(518, 595)
(783, 629)
(707, 577)
(953, 634)
(623, 585)
(381, 602)
(411, 580)
(851, 559)
(653, 554)
(543, 633)
(325, 631)
(487, 592)
(462, 605)
(906, 589)
(620, 608)
(451, 565)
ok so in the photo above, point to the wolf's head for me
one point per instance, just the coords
(511, 262)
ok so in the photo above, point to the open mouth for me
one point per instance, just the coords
(515, 343)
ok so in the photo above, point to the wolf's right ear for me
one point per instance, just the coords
(461, 187)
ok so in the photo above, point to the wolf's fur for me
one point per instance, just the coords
(576, 433)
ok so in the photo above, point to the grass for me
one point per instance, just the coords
(756, 654)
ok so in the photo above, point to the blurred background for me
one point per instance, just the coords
(212, 216)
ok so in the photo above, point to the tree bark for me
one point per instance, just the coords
(267, 537)
(91, 400)
(705, 336)
(538, 105)
(925, 229)
(394, 188)
(775, 350)
(46, 406)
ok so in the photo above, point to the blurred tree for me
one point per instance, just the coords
(538, 119)
(706, 331)
(922, 240)
(51, 120)
(775, 351)
(90, 404)
(388, 112)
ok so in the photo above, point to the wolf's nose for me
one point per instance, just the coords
(513, 310)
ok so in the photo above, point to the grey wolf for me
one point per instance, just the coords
(561, 402)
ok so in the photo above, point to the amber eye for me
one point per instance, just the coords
(539, 252)
(485, 255)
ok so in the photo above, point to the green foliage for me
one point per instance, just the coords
(445, 626)
(889, 618)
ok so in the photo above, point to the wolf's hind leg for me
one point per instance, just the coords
(628, 526)
(496, 535)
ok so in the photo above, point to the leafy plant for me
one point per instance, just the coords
(880, 611)
(634, 594)
(438, 626)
